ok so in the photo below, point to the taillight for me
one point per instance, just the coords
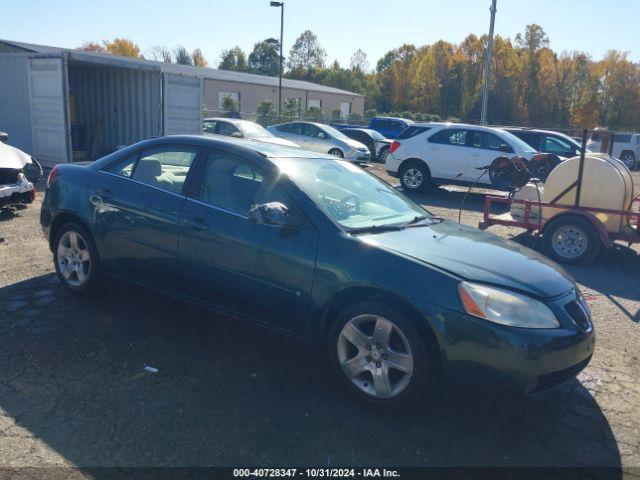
(394, 146)
(53, 174)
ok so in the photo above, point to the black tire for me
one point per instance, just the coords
(629, 159)
(336, 152)
(410, 175)
(93, 272)
(423, 370)
(587, 245)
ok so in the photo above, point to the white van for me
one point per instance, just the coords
(626, 147)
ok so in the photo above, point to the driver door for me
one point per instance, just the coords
(259, 271)
(315, 139)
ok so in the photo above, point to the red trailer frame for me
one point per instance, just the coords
(538, 225)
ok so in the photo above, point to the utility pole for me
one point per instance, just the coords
(281, 5)
(487, 66)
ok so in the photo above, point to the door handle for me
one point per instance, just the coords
(198, 224)
(105, 193)
(474, 154)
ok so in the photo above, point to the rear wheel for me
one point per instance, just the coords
(415, 177)
(629, 159)
(75, 258)
(378, 353)
(336, 152)
(571, 239)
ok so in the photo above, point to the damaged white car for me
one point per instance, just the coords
(15, 165)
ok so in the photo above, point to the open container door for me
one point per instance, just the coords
(182, 104)
(49, 122)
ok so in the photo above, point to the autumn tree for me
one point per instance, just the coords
(198, 58)
(92, 47)
(122, 47)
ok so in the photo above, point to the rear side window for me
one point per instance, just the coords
(412, 132)
(295, 128)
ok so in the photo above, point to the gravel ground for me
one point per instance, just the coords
(73, 391)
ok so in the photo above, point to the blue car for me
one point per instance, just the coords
(319, 249)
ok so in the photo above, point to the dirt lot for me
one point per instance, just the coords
(73, 391)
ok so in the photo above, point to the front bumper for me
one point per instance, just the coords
(358, 156)
(531, 360)
(20, 193)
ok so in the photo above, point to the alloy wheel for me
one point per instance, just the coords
(413, 178)
(375, 356)
(628, 160)
(570, 241)
(74, 258)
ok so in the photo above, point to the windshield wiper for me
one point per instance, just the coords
(377, 228)
(418, 219)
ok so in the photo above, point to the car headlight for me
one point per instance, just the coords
(504, 307)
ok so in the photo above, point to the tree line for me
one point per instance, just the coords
(530, 83)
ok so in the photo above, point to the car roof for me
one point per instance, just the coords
(408, 120)
(249, 146)
(234, 121)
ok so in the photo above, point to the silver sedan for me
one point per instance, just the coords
(322, 138)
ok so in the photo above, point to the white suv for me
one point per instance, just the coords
(626, 147)
(449, 153)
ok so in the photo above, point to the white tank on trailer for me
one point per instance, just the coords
(606, 184)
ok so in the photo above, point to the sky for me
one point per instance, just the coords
(342, 26)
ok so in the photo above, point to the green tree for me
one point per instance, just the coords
(265, 113)
(292, 107)
(306, 56)
(313, 114)
(233, 59)
(182, 56)
(229, 105)
(265, 58)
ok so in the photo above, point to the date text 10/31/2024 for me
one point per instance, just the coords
(315, 472)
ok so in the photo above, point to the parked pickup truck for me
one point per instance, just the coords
(388, 127)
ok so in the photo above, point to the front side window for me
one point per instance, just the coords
(209, 126)
(235, 186)
(349, 195)
(450, 137)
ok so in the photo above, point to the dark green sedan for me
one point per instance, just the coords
(317, 248)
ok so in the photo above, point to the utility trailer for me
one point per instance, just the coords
(573, 232)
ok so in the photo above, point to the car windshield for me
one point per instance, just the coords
(521, 144)
(334, 132)
(253, 130)
(350, 196)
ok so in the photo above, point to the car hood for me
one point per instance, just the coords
(478, 256)
(275, 141)
(354, 143)
(11, 157)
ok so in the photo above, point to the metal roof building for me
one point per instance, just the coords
(61, 104)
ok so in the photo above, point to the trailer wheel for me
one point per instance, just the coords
(571, 239)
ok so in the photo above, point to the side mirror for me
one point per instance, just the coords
(4, 137)
(505, 148)
(236, 135)
(273, 213)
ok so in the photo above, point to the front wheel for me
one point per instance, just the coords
(336, 152)
(571, 239)
(378, 353)
(414, 177)
(75, 258)
(629, 159)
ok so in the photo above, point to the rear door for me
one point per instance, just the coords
(182, 104)
(48, 90)
(484, 148)
(446, 154)
(137, 202)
